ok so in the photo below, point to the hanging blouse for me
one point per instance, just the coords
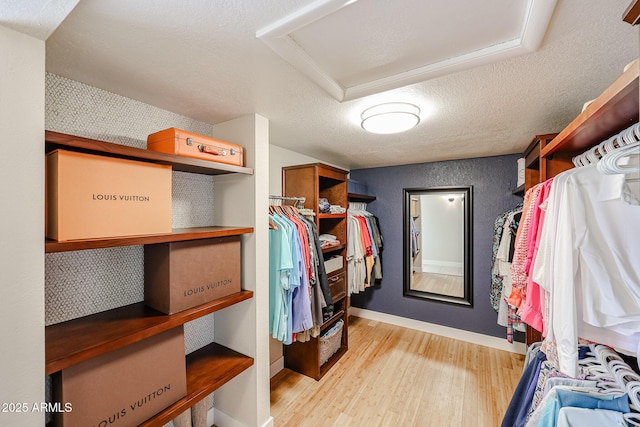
(584, 261)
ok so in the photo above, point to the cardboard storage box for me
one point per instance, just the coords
(92, 197)
(181, 275)
(124, 387)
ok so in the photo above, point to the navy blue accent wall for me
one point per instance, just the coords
(493, 180)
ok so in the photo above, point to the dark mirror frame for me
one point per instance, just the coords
(467, 299)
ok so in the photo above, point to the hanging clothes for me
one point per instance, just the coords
(364, 248)
(604, 383)
(573, 273)
(501, 271)
(496, 278)
(299, 295)
(584, 263)
(532, 307)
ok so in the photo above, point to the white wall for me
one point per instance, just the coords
(242, 200)
(22, 71)
(442, 229)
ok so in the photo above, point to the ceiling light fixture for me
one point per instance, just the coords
(391, 117)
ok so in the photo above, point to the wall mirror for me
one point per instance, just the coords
(437, 244)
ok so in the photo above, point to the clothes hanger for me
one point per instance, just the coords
(609, 164)
(609, 150)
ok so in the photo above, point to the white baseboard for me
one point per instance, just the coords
(224, 420)
(276, 366)
(426, 263)
(443, 267)
(446, 331)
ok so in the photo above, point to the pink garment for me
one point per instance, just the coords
(532, 306)
(534, 227)
(518, 272)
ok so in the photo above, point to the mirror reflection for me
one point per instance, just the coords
(437, 244)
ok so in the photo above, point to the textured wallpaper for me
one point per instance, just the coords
(86, 282)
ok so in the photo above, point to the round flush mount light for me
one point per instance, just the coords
(391, 117)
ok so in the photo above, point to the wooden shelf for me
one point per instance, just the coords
(74, 341)
(332, 249)
(56, 140)
(632, 13)
(304, 357)
(314, 181)
(614, 110)
(518, 190)
(177, 235)
(208, 369)
(332, 320)
(354, 197)
(332, 216)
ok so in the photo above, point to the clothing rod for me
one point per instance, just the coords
(298, 199)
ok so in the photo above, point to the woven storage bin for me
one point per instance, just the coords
(330, 342)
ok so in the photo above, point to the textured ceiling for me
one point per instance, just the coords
(394, 39)
(37, 18)
(202, 59)
(395, 44)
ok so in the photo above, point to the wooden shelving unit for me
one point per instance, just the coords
(632, 13)
(208, 369)
(78, 340)
(72, 342)
(178, 235)
(333, 249)
(332, 216)
(56, 140)
(355, 197)
(534, 167)
(614, 110)
(313, 181)
(305, 357)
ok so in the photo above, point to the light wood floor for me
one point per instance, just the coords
(393, 376)
(444, 284)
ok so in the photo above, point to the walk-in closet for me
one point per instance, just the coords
(317, 213)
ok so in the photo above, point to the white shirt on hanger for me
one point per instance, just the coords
(589, 267)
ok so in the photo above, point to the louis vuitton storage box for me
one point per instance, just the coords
(125, 387)
(91, 197)
(181, 275)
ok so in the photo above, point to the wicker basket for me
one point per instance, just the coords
(330, 342)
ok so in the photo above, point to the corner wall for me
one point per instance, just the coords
(242, 200)
(22, 72)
